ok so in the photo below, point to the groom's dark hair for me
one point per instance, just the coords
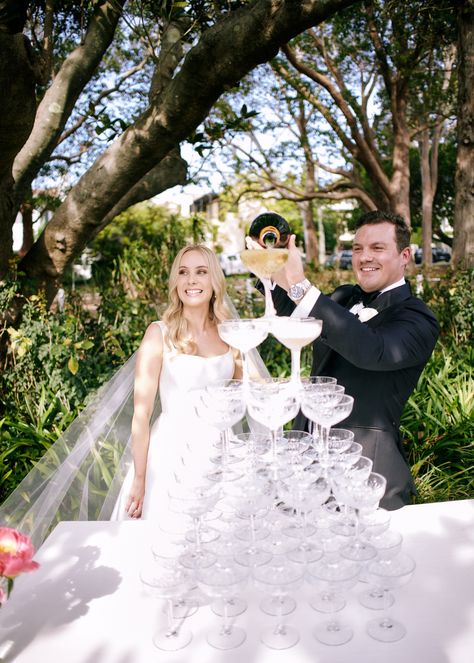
(402, 231)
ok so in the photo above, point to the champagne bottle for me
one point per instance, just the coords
(270, 230)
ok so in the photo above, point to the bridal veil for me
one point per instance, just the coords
(80, 476)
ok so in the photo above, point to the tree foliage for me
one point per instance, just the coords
(197, 50)
(366, 82)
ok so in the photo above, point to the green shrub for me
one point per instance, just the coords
(449, 294)
(438, 426)
(56, 360)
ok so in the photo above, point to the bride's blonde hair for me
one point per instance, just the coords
(178, 332)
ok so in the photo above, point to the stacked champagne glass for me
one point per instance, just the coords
(277, 509)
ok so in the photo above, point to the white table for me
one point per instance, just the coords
(86, 605)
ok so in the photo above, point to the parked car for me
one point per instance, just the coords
(438, 255)
(231, 263)
(345, 260)
(342, 259)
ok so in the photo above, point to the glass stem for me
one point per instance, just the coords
(226, 627)
(273, 434)
(225, 445)
(197, 533)
(385, 622)
(170, 617)
(295, 364)
(252, 530)
(315, 431)
(245, 375)
(356, 527)
(269, 308)
(280, 626)
(305, 522)
(325, 438)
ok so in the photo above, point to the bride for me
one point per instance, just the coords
(181, 353)
(97, 470)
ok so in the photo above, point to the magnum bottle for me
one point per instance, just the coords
(270, 230)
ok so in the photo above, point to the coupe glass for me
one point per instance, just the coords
(224, 548)
(170, 584)
(310, 548)
(263, 263)
(222, 405)
(364, 495)
(336, 575)
(224, 581)
(195, 500)
(294, 334)
(389, 574)
(291, 447)
(278, 579)
(253, 447)
(244, 334)
(359, 471)
(249, 497)
(387, 545)
(305, 492)
(375, 522)
(356, 472)
(273, 402)
(278, 544)
(338, 442)
(326, 406)
(340, 464)
(321, 380)
(166, 551)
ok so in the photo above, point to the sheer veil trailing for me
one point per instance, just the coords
(81, 474)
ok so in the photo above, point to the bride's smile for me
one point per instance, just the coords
(194, 279)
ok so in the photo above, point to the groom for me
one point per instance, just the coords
(376, 339)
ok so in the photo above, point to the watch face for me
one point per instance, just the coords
(296, 292)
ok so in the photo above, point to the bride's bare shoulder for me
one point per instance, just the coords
(153, 335)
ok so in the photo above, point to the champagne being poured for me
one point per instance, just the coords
(271, 232)
(268, 231)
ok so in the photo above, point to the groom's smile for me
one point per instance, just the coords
(376, 259)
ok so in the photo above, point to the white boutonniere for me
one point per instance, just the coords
(366, 313)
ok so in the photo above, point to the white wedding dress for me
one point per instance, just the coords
(179, 440)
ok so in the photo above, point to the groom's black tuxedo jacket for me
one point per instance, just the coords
(379, 363)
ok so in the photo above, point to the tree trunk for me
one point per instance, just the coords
(222, 57)
(310, 184)
(400, 181)
(26, 211)
(427, 196)
(463, 244)
(309, 232)
(59, 100)
(17, 82)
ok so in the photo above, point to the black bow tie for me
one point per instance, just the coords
(365, 297)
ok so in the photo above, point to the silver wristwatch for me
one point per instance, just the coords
(298, 290)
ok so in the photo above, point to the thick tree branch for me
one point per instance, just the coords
(226, 52)
(172, 170)
(361, 150)
(60, 98)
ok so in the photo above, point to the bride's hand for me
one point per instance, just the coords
(134, 504)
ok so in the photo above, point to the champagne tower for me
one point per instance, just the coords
(270, 230)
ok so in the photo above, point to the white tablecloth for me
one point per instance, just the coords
(86, 604)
